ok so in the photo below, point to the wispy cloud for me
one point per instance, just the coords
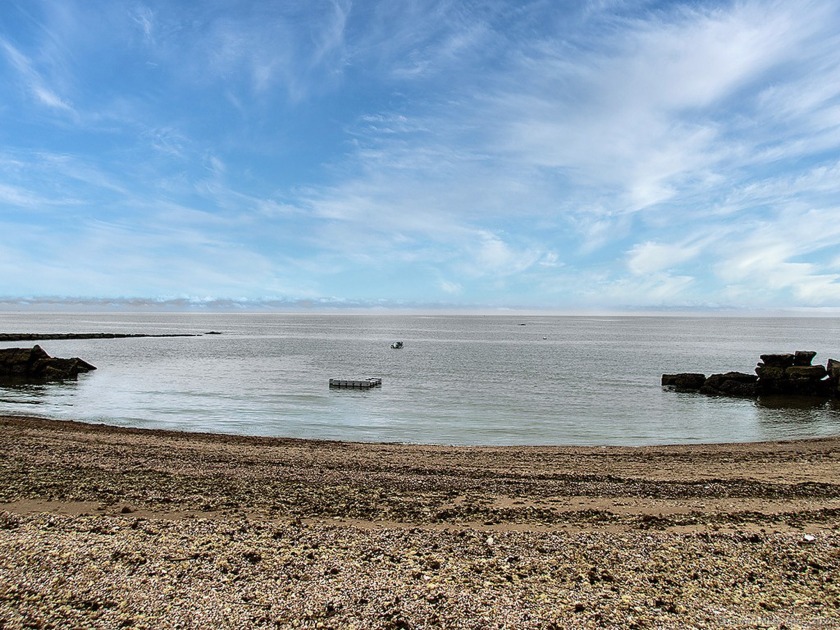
(144, 18)
(32, 80)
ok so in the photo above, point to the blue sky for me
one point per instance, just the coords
(499, 154)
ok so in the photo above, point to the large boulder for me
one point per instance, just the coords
(799, 379)
(778, 360)
(35, 364)
(684, 382)
(807, 372)
(767, 373)
(803, 357)
(730, 384)
(833, 370)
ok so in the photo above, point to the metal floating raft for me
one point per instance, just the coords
(366, 383)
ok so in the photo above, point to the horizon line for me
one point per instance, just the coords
(189, 304)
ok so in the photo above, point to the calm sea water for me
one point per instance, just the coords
(458, 379)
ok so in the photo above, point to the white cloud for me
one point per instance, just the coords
(298, 49)
(21, 197)
(419, 40)
(492, 255)
(650, 257)
(637, 117)
(779, 257)
(551, 259)
(33, 81)
(451, 288)
(144, 18)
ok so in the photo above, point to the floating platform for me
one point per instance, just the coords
(356, 384)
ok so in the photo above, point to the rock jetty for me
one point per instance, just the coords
(34, 364)
(789, 374)
(4, 337)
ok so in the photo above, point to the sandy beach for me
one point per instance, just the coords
(103, 527)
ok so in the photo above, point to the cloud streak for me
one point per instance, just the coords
(32, 81)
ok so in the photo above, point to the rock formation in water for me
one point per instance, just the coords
(775, 375)
(4, 337)
(34, 364)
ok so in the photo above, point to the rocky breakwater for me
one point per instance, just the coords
(34, 364)
(776, 375)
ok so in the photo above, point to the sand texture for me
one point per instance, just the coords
(102, 527)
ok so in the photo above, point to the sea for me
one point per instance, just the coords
(458, 379)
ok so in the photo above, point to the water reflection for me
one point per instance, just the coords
(797, 416)
(796, 402)
(22, 392)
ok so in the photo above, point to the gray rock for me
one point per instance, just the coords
(730, 384)
(769, 373)
(34, 364)
(778, 360)
(803, 357)
(810, 372)
(685, 382)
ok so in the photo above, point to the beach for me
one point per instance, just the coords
(107, 527)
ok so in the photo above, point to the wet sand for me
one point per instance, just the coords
(106, 527)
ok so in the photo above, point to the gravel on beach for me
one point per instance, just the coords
(105, 527)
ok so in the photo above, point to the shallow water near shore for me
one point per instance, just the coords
(503, 380)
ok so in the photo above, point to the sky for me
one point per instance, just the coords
(511, 154)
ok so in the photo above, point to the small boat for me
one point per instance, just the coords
(397, 345)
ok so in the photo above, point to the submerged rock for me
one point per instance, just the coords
(36, 365)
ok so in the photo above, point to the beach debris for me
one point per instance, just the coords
(809, 538)
(789, 374)
(397, 345)
(34, 364)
